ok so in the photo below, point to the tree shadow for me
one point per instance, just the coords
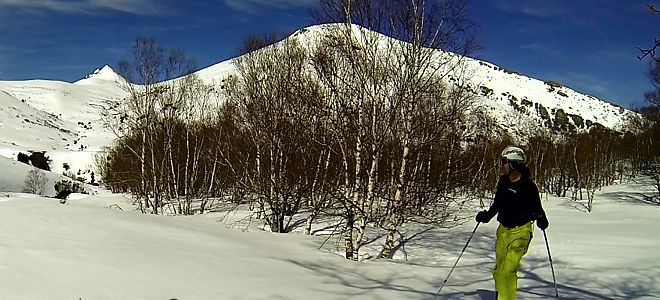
(358, 285)
(445, 244)
(472, 274)
(401, 244)
(627, 285)
(295, 224)
(634, 198)
(321, 231)
(579, 205)
(638, 198)
(483, 241)
(536, 280)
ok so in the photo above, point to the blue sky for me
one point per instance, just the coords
(589, 45)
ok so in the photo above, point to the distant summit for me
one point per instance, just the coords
(99, 75)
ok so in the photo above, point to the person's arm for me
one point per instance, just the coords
(494, 208)
(486, 215)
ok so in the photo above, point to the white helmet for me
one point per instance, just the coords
(514, 154)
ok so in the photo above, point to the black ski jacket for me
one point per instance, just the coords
(516, 203)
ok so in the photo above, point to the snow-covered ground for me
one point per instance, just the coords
(90, 249)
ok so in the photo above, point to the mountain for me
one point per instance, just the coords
(60, 118)
(505, 95)
(64, 118)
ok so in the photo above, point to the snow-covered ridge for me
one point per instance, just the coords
(544, 104)
(521, 105)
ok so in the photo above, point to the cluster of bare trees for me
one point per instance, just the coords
(581, 163)
(585, 162)
(162, 130)
(354, 125)
(357, 126)
(649, 126)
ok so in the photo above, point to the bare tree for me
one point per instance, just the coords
(420, 89)
(650, 51)
(354, 67)
(255, 42)
(383, 75)
(35, 182)
(146, 81)
(274, 95)
(648, 128)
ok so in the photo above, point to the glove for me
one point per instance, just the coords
(542, 222)
(483, 217)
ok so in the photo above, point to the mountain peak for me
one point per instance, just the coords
(104, 74)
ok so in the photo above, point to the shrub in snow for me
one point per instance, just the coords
(35, 182)
(24, 158)
(553, 84)
(40, 160)
(652, 170)
(508, 71)
(70, 174)
(66, 187)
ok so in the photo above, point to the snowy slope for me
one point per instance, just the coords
(511, 96)
(25, 127)
(507, 96)
(91, 250)
(14, 173)
(61, 118)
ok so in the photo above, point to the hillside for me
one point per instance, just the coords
(61, 118)
(505, 95)
(64, 118)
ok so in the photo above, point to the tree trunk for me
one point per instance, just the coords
(186, 176)
(317, 197)
(348, 235)
(274, 200)
(211, 183)
(395, 217)
(143, 172)
(154, 177)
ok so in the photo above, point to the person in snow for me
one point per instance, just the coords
(517, 205)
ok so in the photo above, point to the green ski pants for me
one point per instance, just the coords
(512, 244)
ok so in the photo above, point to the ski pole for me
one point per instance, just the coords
(459, 257)
(551, 266)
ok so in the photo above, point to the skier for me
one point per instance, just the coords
(517, 205)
